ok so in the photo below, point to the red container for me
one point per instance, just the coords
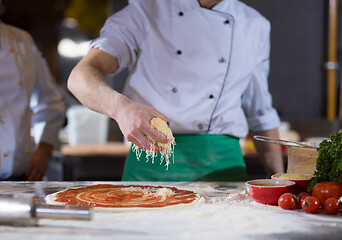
(268, 191)
(301, 184)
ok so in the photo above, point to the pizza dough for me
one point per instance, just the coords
(120, 198)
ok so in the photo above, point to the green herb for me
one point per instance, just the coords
(329, 161)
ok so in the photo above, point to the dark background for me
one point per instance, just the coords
(298, 52)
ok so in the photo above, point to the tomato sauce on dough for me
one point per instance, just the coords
(125, 196)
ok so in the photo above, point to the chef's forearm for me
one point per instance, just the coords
(45, 147)
(89, 85)
(270, 154)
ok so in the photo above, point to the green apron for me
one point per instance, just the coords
(202, 157)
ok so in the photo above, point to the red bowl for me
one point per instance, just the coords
(268, 191)
(301, 184)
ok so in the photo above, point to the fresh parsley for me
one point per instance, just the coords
(329, 161)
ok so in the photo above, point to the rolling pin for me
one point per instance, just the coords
(26, 209)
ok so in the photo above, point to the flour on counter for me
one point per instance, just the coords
(227, 213)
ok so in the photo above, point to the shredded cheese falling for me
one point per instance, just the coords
(168, 148)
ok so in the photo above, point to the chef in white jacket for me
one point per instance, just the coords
(200, 65)
(28, 98)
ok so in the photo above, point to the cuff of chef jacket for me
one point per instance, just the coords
(264, 123)
(107, 46)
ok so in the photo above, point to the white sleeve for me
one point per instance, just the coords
(257, 100)
(121, 35)
(46, 103)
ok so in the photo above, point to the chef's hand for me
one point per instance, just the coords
(39, 162)
(134, 122)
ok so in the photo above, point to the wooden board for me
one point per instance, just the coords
(94, 149)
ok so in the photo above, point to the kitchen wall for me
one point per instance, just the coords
(298, 39)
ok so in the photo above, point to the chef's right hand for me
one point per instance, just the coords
(134, 122)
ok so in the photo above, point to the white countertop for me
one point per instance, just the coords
(225, 212)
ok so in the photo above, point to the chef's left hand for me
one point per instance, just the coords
(39, 162)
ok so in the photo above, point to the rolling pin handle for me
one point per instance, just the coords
(64, 212)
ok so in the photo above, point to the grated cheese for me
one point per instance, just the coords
(159, 192)
(168, 148)
(294, 176)
(164, 192)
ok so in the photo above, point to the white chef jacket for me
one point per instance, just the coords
(205, 69)
(28, 95)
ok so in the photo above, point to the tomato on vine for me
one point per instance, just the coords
(300, 197)
(331, 206)
(310, 204)
(287, 201)
(325, 190)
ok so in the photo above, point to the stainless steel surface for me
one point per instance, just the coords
(26, 209)
(283, 142)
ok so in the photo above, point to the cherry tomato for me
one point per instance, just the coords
(325, 190)
(331, 206)
(300, 198)
(287, 201)
(310, 204)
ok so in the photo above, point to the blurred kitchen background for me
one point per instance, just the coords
(305, 78)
